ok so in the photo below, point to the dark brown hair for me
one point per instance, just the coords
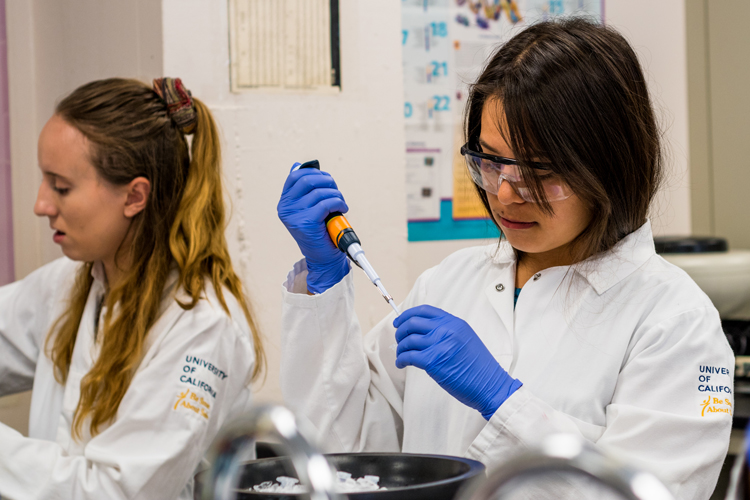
(574, 94)
(182, 226)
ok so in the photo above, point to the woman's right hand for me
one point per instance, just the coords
(309, 195)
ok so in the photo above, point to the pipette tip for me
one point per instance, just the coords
(393, 305)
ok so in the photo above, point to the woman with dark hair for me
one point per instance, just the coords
(571, 324)
(139, 343)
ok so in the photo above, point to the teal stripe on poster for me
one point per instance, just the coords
(448, 229)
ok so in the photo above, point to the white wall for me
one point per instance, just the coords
(657, 32)
(357, 135)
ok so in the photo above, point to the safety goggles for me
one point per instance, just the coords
(489, 171)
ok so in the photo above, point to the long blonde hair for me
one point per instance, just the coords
(182, 226)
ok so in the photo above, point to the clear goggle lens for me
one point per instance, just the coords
(489, 175)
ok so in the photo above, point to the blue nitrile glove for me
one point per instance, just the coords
(309, 195)
(451, 353)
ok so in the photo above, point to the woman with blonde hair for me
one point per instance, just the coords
(139, 343)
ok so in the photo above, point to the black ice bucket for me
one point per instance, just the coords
(406, 476)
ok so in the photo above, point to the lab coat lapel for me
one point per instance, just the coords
(84, 354)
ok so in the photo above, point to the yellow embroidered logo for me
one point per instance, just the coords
(715, 405)
(192, 402)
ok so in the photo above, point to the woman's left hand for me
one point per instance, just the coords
(451, 353)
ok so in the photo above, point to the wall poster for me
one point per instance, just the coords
(445, 45)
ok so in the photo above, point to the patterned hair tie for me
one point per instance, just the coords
(179, 101)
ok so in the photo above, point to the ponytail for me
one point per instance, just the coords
(196, 240)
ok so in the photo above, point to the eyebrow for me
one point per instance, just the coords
(535, 164)
(487, 146)
(55, 175)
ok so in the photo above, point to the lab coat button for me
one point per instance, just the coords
(499, 287)
(537, 276)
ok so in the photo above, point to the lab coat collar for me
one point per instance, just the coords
(97, 272)
(99, 290)
(606, 270)
(503, 254)
(100, 277)
(602, 271)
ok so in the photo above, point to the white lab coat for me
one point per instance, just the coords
(194, 375)
(616, 349)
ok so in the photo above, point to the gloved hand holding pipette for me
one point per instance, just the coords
(312, 206)
(309, 195)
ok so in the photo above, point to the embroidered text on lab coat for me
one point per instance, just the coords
(193, 402)
(705, 383)
(210, 367)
